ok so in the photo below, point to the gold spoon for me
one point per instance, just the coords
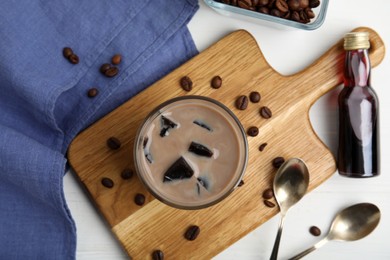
(290, 184)
(350, 224)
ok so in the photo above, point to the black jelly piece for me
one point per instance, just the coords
(178, 170)
(200, 150)
(167, 122)
(164, 131)
(149, 157)
(146, 139)
(201, 124)
(202, 181)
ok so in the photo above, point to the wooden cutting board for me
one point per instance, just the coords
(240, 63)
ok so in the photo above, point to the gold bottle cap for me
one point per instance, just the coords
(356, 40)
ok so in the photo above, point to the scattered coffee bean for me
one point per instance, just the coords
(242, 102)
(241, 183)
(262, 147)
(192, 233)
(73, 58)
(116, 59)
(127, 174)
(139, 199)
(254, 97)
(269, 204)
(315, 231)
(277, 162)
(265, 112)
(104, 68)
(268, 194)
(113, 143)
(92, 92)
(253, 131)
(67, 52)
(111, 72)
(216, 82)
(158, 255)
(107, 182)
(186, 83)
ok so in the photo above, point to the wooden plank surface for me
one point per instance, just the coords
(240, 63)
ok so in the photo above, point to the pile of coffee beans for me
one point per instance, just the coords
(296, 10)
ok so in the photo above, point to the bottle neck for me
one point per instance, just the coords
(357, 68)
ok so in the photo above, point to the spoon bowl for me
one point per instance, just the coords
(350, 224)
(290, 185)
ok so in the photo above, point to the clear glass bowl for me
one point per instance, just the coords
(266, 19)
(196, 119)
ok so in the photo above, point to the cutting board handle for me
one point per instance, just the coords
(327, 72)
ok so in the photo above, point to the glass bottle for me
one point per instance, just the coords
(359, 151)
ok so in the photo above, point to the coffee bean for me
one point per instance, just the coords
(277, 162)
(263, 2)
(253, 131)
(295, 16)
(314, 3)
(92, 92)
(192, 233)
(139, 199)
(315, 231)
(255, 2)
(275, 12)
(216, 82)
(265, 112)
(111, 72)
(67, 52)
(281, 5)
(186, 83)
(158, 255)
(127, 174)
(286, 15)
(264, 10)
(293, 5)
(303, 4)
(242, 102)
(107, 182)
(73, 58)
(271, 4)
(104, 68)
(116, 59)
(241, 183)
(268, 194)
(245, 4)
(262, 147)
(269, 204)
(113, 143)
(254, 97)
(309, 12)
(303, 16)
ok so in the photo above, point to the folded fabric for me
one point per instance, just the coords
(44, 101)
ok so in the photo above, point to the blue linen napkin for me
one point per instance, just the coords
(44, 102)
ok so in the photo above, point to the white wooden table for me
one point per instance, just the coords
(288, 51)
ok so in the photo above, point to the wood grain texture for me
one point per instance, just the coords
(240, 63)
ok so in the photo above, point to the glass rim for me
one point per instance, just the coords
(138, 141)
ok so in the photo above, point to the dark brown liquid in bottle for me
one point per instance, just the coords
(358, 154)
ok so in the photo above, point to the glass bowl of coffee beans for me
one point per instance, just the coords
(300, 14)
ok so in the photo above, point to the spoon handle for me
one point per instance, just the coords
(275, 250)
(310, 249)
